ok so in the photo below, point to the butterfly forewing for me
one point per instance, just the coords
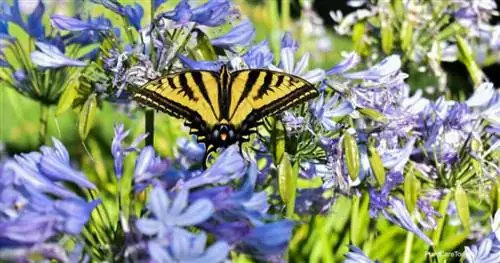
(256, 94)
(192, 95)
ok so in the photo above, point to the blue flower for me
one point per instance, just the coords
(287, 41)
(51, 57)
(396, 159)
(74, 24)
(333, 108)
(187, 247)
(181, 14)
(486, 252)
(258, 56)
(170, 214)
(38, 169)
(213, 13)
(382, 73)
(241, 34)
(55, 165)
(229, 166)
(355, 255)
(119, 151)
(269, 241)
(287, 64)
(200, 65)
(34, 27)
(134, 15)
(350, 61)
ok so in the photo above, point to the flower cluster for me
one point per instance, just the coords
(367, 139)
(36, 209)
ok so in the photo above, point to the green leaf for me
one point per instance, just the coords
(87, 116)
(376, 164)
(68, 96)
(277, 140)
(358, 32)
(387, 37)
(284, 177)
(204, 49)
(467, 57)
(411, 189)
(309, 183)
(351, 155)
(287, 180)
(406, 35)
(462, 203)
(372, 114)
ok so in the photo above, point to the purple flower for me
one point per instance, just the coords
(170, 214)
(399, 215)
(324, 112)
(230, 165)
(184, 246)
(51, 57)
(241, 34)
(74, 24)
(119, 151)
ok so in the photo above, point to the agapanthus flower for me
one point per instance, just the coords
(119, 151)
(325, 112)
(51, 57)
(355, 255)
(35, 210)
(184, 246)
(287, 64)
(213, 13)
(241, 34)
(172, 214)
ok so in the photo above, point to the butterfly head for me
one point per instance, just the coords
(224, 135)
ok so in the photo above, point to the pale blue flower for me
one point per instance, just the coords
(228, 166)
(186, 247)
(241, 34)
(51, 57)
(119, 151)
(169, 214)
(324, 112)
(74, 24)
(355, 255)
(350, 61)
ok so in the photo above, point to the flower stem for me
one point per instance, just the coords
(44, 116)
(436, 236)
(408, 247)
(150, 127)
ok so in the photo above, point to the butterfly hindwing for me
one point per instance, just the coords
(258, 93)
(192, 95)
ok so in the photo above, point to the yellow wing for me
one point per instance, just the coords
(192, 95)
(255, 94)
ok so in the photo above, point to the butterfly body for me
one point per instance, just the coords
(223, 108)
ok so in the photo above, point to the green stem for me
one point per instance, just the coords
(44, 116)
(408, 247)
(355, 221)
(150, 127)
(436, 236)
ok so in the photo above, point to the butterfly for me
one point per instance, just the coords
(222, 108)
